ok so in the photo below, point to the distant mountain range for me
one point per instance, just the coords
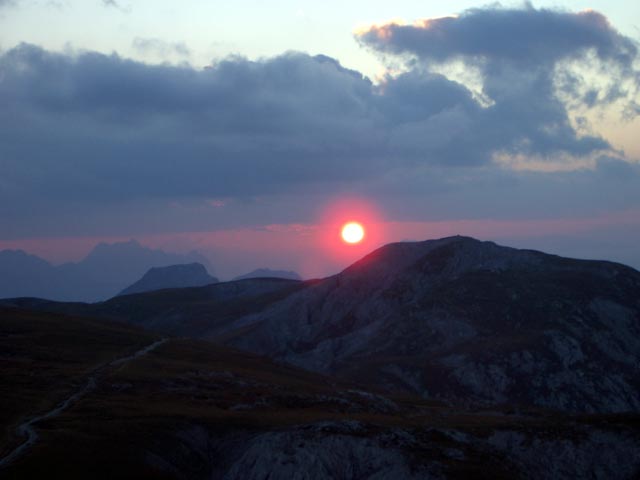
(102, 274)
(268, 273)
(173, 276)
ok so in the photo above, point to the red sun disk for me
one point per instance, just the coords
(352, 232)
(334, 215)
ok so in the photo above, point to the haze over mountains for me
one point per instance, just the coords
(455, 319)
(108, 270)
(449, 358)
(104, 272)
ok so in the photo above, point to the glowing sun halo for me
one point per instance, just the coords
(352, 232)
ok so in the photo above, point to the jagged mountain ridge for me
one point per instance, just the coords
(104, 272)
(469, 322)
(172, 276)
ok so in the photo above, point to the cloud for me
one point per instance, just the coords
(527, 37)
(8, 3)
(115, 4)
(111, 141)
(238, 128)
(530, 64)
(161, 48)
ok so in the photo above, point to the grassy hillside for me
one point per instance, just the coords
(45, 357)
(194, 311)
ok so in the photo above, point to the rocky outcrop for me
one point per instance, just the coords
(355, 450)
(315, 452)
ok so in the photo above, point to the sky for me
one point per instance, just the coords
(250, 131)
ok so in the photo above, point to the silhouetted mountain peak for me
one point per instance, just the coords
(173, 276)
(458, 253)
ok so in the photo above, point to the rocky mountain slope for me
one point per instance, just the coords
(190, 409)
(467, 322)
(173, 276)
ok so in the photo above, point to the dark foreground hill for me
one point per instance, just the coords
(173, 276)
(468, 322)
(194, 312)
(189, 409)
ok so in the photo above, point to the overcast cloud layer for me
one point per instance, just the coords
(102, 139)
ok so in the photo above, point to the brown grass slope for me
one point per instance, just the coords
(45, 357)
(193, 311)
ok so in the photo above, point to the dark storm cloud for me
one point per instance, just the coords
(90, 129)
(100, 127)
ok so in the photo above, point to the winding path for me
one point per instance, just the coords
(27, 429)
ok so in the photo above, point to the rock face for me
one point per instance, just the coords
(355, 450)
(467, 322)
(174, 276)
(268, 273)
(323, 452)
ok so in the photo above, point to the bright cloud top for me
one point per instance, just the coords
(533, 64)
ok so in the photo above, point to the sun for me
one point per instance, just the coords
(352, 232)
